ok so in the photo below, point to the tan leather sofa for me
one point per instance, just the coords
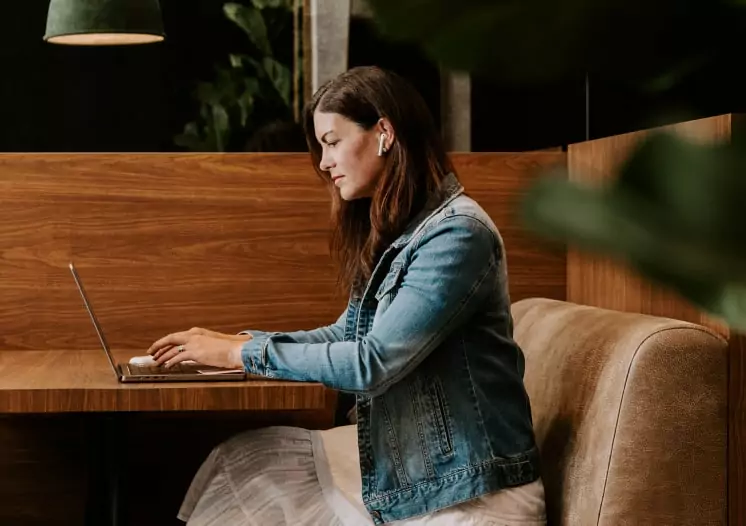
(630, 415)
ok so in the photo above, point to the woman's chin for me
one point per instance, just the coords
(350, 193)
(347, 194)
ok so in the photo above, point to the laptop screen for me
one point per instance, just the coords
(100, 332)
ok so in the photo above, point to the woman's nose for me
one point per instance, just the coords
(326, 163)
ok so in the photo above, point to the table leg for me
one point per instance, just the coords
(104, 505)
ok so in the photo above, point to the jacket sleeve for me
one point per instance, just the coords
(452, 270)
(330, 333)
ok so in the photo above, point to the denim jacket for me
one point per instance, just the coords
(442, 412)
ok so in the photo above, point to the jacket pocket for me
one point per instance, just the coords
(441, 416)
(389, 284)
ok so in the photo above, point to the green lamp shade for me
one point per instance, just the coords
(104, 22)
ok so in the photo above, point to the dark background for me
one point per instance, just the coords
(73, 99)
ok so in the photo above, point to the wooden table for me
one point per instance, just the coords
(61, 381)
(82, 381)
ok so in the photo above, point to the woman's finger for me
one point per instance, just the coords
(168, 355)
(178, 356)
(160, 352)
(176, 338)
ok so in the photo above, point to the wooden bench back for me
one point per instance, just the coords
(164, 242)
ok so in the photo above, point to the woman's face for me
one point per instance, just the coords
(350, 154)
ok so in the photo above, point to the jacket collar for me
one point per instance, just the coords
(449, 189)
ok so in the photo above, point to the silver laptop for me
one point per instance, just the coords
(126, 372)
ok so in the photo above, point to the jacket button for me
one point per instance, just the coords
(376, 514)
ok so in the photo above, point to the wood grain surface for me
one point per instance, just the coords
(595, 280)
(497, 182)
(164, 242)
(57, 381)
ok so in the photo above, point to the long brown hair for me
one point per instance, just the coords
(362, 229)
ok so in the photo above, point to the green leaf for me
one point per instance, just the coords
(274, 4)
(190, 138)
(280, 77)
(246, 104)
(674, 212)
(251, 21)
(252, 86)
(725, 300)
(530, 39)
(539, 41)
(220, 123)
(674, 75)
(246, 62)
(235, 60)
(207, 93)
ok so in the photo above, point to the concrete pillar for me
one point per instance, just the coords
(455, 110)
(330, 37)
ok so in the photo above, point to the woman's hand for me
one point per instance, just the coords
(201, 345)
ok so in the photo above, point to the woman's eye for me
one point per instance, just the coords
(333, 144)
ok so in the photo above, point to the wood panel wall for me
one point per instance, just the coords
(595, 280)
(164, 242)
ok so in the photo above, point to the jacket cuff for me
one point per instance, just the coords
(254, 353)
(252, 332)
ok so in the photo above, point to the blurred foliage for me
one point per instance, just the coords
(675, 213)
(250, 90)
(651, 45)
(675, 210)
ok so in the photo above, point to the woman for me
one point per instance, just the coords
(443, 430)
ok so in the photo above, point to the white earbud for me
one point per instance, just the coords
(381, 147)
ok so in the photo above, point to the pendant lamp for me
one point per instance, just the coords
(104, 22)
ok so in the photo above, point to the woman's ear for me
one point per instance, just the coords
(384, 126)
